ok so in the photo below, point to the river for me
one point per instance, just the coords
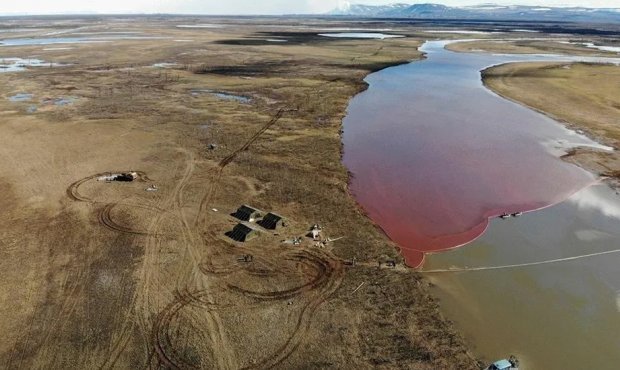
(435, 157)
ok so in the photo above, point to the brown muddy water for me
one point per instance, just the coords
(435, 157)
(552, 313)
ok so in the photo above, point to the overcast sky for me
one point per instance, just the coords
(240, 6)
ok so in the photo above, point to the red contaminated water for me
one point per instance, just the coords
(434, 155)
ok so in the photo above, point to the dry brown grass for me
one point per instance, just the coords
(83, 288)
(526, 47)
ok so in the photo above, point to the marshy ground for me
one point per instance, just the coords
(108, 275)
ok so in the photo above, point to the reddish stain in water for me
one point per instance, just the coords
(434, 156)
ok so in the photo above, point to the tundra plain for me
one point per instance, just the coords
(109, 275)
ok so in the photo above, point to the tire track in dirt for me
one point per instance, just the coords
(73, 288)
(231, 157)
(326, 280)
(105, 218)
(150, 259)
(141, 303)
(25, 338)
(306, 317)
(227, 358)
(73, 189)
(148, 277)
(323, 271)
(202, 209)
(160, 336)
(161, 342)
(104, 215)
(267, 268)
(73, 193)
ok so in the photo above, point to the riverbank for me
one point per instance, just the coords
(583, 96)
(148, 279)
(567, 46)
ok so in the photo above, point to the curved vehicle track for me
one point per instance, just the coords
(106, 219)
(323, 275)
(323, 269)
(300, 332)
(73, 189)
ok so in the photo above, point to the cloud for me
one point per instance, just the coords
(593, 199)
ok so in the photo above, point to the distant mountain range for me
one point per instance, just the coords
(480, 12)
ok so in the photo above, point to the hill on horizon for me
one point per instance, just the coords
(480, 12)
